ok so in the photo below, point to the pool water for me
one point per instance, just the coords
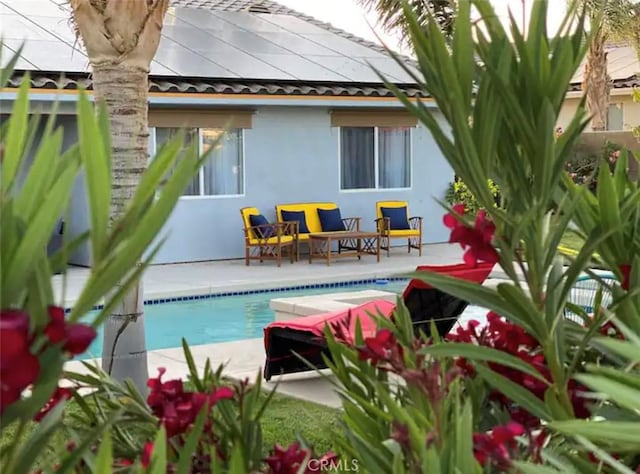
(228, 318)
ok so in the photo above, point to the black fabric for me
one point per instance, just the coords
(331, 220)
(292, 216)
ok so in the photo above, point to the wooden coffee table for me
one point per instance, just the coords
(357, 244)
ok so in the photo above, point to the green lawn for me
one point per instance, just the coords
(283, 422)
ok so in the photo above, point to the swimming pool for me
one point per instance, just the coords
(230, 318)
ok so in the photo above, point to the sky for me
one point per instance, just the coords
(349, 16)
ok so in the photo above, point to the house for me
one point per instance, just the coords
(623, 67)
(311, 120)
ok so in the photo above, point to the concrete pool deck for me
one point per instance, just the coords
(245, 358)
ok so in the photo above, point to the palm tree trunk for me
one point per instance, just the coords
(597, 83)
(124, 91)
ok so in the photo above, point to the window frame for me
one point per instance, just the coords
(376, 162)
(619, 105)
(153, 138)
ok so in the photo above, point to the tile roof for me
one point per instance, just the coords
(74, 81)
(623, 67)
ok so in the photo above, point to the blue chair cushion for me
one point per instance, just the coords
(331, 220)
(291, 216)
(397, 216)
(259, 219)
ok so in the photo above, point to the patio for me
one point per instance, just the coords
(245, 358)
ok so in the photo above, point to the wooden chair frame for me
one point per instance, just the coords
(383, 224)
(272, 248)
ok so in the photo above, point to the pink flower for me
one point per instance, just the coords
(614, 157)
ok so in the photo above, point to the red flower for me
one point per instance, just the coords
(476, 240)
(494, 448)
(147, 452)
(625, 269)
(176, 408)
(383, 347)
(56, 329)
(296, 460)
(60, 393)
(76, 338)
(18, 367)
(287, 460)
(451, 221)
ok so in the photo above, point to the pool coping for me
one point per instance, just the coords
(193, 294)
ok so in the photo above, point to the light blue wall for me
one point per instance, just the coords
(291, 155)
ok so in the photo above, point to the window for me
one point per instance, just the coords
(222, 174)
(375, 157)
(614, 117)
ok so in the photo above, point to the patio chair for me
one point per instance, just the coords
(286, 341)
(267, 241)
(393, 222)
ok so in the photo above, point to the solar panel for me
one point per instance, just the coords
(30, 8)
(158, 69)
(389, 68)
(354, 70)
(59, 27)
(249, 21)
(16, 27)
(345, 47)
(9, 51)
(52, 55)
(301, 68)
(187, 62)
(297, 44)
(204, 43)
(247, 67)
(293, 24)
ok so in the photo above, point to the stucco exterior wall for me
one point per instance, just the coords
(630, 109)
(292, 155)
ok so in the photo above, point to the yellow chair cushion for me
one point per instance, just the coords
(272, 240)
(310, 214)
(404, 233)
(246, 212)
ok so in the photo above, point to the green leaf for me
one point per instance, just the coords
(529, 468)
(104, 460)
(515, 392)
(626, 349)
(16, 136)
(97, 174)
(621, 434)
(185, 456)
(464, 460)
(37, 234)
(69, 464)
(193, 370)
(159, 454)
(37, 441)
(614, 390)
(482, 353)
